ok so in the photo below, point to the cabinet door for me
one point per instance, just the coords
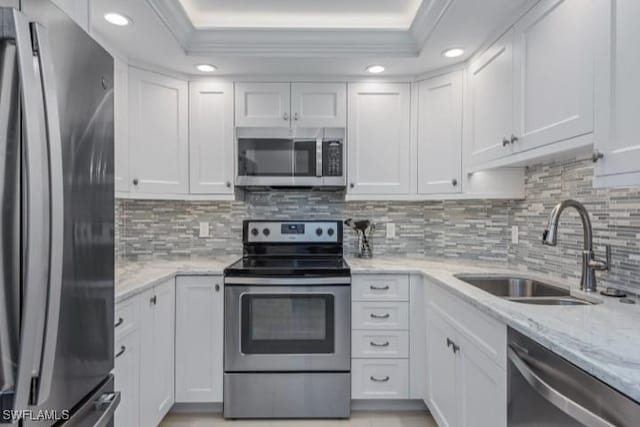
(440, 134)
(127, 377)
(211, 138)
(482, 388)
(78, 10)
(319, 104)
(379, 138)
(121, 122)
(553, 70)
(442, 382)
(164, 336)
(159, 134)
(263, 104)
(491, 102)
(199, 339)
(148, 389)
(619, 64)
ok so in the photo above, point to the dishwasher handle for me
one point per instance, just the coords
(553, 396)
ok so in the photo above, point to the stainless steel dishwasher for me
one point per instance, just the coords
(546, 390)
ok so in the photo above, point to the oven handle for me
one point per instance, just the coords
(305, 281)
(553, 396)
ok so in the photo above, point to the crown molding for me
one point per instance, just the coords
(301, 42)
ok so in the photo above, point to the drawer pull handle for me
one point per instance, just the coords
(379, 288)
(379, 380)
(121, 352)
(375, 344)
(380, 316)
(455, 347)
(119, 322)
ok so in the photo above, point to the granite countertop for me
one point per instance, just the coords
(602, 339)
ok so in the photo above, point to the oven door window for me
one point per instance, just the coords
(287, 324)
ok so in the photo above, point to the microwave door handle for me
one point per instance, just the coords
(52, 118)
(319, 157)
(35, 219)
(555, 397)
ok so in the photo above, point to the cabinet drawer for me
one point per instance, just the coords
(485, 332)
(380, 344)
(387, 287)
(125, 318)
(380, 379)
(380, 315)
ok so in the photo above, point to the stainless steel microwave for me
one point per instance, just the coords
(291, 158)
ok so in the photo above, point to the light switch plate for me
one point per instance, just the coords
(204, 229)
(391, 230)
(515, 234)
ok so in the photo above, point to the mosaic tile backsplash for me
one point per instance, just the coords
(478, 230)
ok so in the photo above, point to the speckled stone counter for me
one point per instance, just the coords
(602, 339)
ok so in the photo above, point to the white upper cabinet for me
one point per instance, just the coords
(211, 144)
(121, 125)
(263, 104)
(618, 128)
(379, 138)
(490, 102)
(159, 133)
(319, 104)
(199, 338)
(78, 10)
(553, 73)
(440, 134)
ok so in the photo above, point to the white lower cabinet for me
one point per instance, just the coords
(380, 379)
(199, 338)
(157, 353)
(127, 379)
(466, 380)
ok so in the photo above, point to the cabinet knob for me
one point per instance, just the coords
(217, 287)
(514, 139)
(352, 185)
(228, 184)
(153, 300)
(505, 142)
(454, 182)
(597, 155)
(121, 352)
(135, 181)
(455, 347)
(286, 116)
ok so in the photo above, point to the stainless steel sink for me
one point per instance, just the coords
(522, 290)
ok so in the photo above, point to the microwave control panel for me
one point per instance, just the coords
(332, 158)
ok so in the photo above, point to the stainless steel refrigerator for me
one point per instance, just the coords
(56, 221)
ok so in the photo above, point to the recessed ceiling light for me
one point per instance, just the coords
(117, 19)
(375, 69)
(453, 53)
(206, 68)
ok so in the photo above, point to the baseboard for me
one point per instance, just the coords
(399, 405)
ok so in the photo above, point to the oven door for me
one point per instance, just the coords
(287, 328)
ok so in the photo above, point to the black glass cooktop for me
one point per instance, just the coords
(288, 265)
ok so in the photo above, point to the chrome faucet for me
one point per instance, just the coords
(589, 263)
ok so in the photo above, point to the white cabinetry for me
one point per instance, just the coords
(553, 73)
(263, 104)
(159, 134)
(127, 362)
(157, 353)
(319, 104)
(618, 127)
(379, 138)
(78, 10)
(199, 338)
(440, 134)
(211, 144)
(491, 102)
(466, 363)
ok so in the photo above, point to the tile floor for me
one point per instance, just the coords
(358, 419)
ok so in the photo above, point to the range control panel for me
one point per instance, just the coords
(292, 231)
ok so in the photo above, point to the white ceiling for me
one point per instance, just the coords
(397, 14)
(151, 41)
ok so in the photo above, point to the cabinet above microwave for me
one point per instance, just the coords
(290, 158)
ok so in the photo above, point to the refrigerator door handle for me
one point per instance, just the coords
(52, 120)
(36, 217)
